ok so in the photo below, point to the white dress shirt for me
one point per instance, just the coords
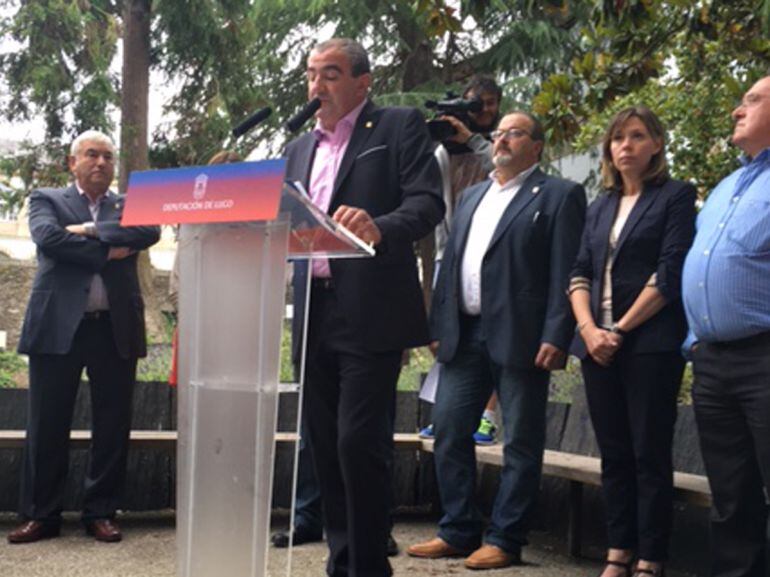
(483, 226)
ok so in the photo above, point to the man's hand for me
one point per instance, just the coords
(358, 221)
(550, 358)
(433, 346)
(86, 229)
(462, 134)
(119, 252)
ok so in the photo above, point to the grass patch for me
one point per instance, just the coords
(420, 362)
(13, 370)
(156, 366)
(564, 383)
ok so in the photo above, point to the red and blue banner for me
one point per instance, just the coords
(241, 191)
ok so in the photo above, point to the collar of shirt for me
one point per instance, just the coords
(761, 158)
(93, 207)
(515, 182)
(343, 128)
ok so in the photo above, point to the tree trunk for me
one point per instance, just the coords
(135, 91)
(419, 69)
(135, 88)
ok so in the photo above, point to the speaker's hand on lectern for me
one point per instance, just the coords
(358, 221)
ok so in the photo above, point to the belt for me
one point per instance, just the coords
(324, 284)
(744, 343)
(95, 315)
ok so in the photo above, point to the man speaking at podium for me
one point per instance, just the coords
(373, 170)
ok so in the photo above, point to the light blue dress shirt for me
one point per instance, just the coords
(726, 277)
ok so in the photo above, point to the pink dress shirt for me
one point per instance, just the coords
(326, 164)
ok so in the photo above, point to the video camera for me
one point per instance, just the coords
(453, 105)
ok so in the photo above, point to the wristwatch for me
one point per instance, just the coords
(617, 330)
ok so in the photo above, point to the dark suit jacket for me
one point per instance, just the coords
(66, 265)
(524, 275)
(388, 170)
(655, 239)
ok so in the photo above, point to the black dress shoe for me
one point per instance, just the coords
(392, 546)
(31, 531)
(302, 535)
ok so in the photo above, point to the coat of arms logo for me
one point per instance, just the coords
(200, 186)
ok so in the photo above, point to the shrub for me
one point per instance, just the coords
(13, 369)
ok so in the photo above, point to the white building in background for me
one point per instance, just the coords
(582, 168)
(15, 241)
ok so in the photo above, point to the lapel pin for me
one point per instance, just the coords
(535, 190)
(369, 124)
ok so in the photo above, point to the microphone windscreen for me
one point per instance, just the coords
(296, 121)
(252, 121)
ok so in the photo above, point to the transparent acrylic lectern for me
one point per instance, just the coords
(231, 308)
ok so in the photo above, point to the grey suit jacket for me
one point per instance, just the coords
(66, 265)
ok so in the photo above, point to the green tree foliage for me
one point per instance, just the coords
(690, 61)
(229, 57)
(577, 60)
(59, 70)
(418, 49)
(62, 65)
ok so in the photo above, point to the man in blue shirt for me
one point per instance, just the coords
(726, 286)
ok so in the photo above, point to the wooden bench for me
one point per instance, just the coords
(579, 470)
(582, 470)
(166, 440)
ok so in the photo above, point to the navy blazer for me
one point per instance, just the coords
(66, 265)
(524, 275)
(388, 170)
(655, 239)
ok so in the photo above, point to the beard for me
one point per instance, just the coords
(502, 159)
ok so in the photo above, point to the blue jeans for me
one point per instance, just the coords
(465, 385)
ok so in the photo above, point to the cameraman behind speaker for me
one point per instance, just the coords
(465, 158)
(469, 149)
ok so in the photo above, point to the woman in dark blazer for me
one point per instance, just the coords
(625, 294)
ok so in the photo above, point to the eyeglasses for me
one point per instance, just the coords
(510, 134)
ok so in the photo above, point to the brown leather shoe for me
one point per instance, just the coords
(32, 531)
(105, 530)
(492, 557)
(436, 548)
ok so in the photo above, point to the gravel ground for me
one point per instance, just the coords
(149, 542)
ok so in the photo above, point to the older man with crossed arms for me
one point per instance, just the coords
(85, 311)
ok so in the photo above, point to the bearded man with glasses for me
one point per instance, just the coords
(502, 322)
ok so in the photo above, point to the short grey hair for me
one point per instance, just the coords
(357, 56)
(92, 136)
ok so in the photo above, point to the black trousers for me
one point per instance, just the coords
(350, 404)
(53, 385)
(633, 410)
(731, 394)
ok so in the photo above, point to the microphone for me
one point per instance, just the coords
(252, 121)
(295, 122)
